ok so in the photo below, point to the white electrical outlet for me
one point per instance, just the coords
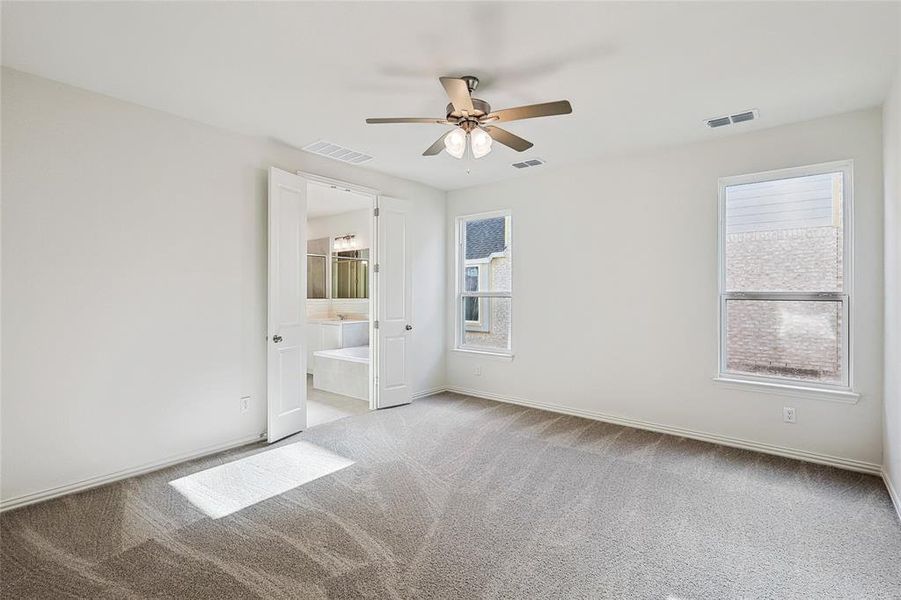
(245, 404)
(477, 371)
(788, 414)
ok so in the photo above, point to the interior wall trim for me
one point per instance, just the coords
(804, 455)
(892, 492)
(429, 392)
(92, 482)
(843, 463)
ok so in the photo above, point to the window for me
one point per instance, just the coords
(484, 283)
(784, 276)
(471, 284)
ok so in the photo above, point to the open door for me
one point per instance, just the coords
(395, 311)
(286, 356)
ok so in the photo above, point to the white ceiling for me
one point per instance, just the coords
(638, 74)
(323, 201)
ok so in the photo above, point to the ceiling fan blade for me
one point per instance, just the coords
(458, 92)
(437, 147)
(508, 139)
(408, 120)
(547, 109)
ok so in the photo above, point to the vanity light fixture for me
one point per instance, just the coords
(345, 242)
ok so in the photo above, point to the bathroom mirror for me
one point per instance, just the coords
(317, 265)
(350, 274)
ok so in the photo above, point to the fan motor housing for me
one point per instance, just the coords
(481, 107)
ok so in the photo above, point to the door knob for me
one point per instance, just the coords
(409, 328)
(276, 338)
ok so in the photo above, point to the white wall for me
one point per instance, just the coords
(637, 339)
(891, 116)
(134, 283)
(357, 222)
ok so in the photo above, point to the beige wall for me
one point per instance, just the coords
(638, 341)
(134, 283)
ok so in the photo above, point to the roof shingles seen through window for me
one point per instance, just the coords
(485, 237)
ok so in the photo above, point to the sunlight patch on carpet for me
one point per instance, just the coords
(225, 489)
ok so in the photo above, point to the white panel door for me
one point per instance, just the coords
(286, 357)
(395, 294)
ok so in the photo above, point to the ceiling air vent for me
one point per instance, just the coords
(337, 152)
(533, 162)
(719, 122)
(745, 116)
(748, 115)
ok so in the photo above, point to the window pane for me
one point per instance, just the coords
(471, 280)
(785, 338)
(493, 332)
(488, 245)
(471, 309)
(785, 235)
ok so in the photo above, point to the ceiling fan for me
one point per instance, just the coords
(474, 120)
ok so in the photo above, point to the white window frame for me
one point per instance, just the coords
(845, 388)
(461, 325)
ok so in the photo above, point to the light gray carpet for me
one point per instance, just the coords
(455, 497)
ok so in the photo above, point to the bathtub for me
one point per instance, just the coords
(343, 371)
(359, 354)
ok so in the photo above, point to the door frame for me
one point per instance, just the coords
(374, 194)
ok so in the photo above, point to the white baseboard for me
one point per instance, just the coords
(86, 484)
(843, 463)
(824, 459)
(92, 482)
(428, 392)
(892, 492)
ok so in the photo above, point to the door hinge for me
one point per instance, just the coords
(375, 268)
(375, 324)
(375, 211)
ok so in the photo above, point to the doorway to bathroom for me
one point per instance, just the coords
(340, 229)
(342, 335)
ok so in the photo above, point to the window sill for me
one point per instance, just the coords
(500, 355)
(784, 389)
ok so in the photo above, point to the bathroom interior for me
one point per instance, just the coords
(339, 234)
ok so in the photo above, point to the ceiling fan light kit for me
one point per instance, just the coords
(473, 120)
(455, 143)
(480, 142)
